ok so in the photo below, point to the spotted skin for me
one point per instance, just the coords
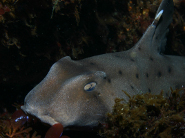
(80, 93)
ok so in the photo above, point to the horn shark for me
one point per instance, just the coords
(81, 92)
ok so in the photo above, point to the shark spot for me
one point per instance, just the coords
(147, 75)
(120, 72)
(96, 96)
(151, 58)
(92, 63)
(98, 93)
(139, 48)
(158, 49)
(117, 56)
(169, 70)
(109, 80)
(131, 86)
(137, 76)
(132, 60)
(112, 94)
(149, 90)
(104, 78)
(159, 74)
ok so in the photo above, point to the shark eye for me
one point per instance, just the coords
(90, 86)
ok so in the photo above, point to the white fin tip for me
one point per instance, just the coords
(157, 17)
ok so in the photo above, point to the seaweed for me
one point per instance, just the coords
(12, 126)
(147, 115)
(21, 125)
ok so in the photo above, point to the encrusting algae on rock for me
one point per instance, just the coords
(147, 115)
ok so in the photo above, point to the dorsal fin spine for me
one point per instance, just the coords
(157, 17)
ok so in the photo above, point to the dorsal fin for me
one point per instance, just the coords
(154, 39)
(159, 38)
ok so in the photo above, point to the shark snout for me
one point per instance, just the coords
(38, 112)
(30, 109)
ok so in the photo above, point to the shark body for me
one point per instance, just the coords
(80, 93)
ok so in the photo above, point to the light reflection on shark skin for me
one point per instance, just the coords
(80, 93)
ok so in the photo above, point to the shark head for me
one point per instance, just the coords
(70, 94)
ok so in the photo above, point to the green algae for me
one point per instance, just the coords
(147, 115)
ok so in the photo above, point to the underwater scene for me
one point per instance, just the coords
(35, 34)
